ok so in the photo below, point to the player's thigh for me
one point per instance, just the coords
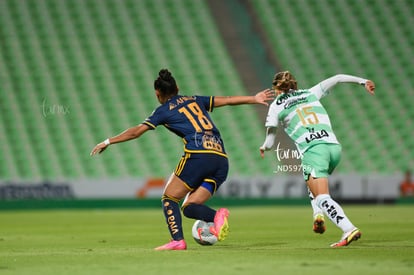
(198, 196)
(176, 187)
(315, 162)
(335, 151)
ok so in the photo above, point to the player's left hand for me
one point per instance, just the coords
(264, 96)
(370, 87)
(99, 148)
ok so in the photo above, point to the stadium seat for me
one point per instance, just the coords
(99, 58)
(344, 38)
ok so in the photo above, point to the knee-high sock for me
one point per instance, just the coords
(199, 212)
(315, 208)
(334, 212)
(173, 217)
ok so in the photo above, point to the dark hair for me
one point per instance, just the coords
(284, 81)
(165, 83)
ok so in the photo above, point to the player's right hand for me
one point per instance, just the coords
(99, 148)
(262, 152)
(264, 96)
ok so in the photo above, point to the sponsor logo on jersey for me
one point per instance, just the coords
(316, 135)
(292, 103)
(285, 96)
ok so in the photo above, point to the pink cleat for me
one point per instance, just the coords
(348, 238)
(173, 245)
(221, 226)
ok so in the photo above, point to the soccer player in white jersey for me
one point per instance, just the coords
(307, 123)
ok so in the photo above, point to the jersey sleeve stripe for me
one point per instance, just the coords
(210, 109)
(149, 124)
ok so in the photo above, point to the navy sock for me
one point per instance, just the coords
(199, 212)
(173, 217)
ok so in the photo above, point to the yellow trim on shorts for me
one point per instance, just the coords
(205, 152)
(181, 164)
(187, 186)
(214, 183)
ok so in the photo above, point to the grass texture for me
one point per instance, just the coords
(262, 240)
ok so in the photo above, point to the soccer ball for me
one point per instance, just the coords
(201, 233)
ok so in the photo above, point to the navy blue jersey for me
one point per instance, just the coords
(188, 118)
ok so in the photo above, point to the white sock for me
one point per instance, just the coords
(315, 208)
(334, 212)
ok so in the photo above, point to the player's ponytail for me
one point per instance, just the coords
(284, 81)
(165, 83)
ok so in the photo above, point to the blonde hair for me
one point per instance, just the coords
(284, 81)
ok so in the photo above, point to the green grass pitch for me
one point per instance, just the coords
(262, 240)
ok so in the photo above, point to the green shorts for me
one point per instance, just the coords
(320, 160)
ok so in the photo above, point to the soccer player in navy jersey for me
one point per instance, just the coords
(204, 165)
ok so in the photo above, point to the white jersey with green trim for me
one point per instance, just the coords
(304, 118)
(302, 115)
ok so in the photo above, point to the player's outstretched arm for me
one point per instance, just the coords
(260, 98)
(128, 134)
(322, 88)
